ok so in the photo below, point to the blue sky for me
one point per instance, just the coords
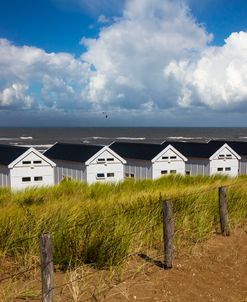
(143, 62)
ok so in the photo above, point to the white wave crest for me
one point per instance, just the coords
(7, 138)
(38, 146)
(95, 137)
(183, 137)
(131, 138)
(26, 137)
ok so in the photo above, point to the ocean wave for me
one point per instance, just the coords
(131, 138)
(184, 138)
(38, 146)
(8, 138)
(26, 137)
(95, 137)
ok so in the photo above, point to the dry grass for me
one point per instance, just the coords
(99, 226)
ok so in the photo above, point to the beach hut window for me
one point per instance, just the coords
(173, 172)
(110, 159)
(187, 172)
(38, 178)
(26, 162)
(110, 174)
(37, 161)
(101, 160)
(127, 175)
(100, 175)
(165, 157)
(132, 175)
(221, 156)
(229, 155)
(219, 169)
(163, 172)
(228, 169)
(173, 157)
(26, 179)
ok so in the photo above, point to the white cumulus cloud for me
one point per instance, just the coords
(26, 70)
(217, 79)
(154, 56)
(15, 95)
(130, 54)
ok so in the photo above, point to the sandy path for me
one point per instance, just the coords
(215, 271)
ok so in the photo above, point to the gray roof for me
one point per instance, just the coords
(137, 150)
(239, 147)
(72, 152)
(198, 150)
(10, 153)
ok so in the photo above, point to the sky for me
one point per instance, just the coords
(123, 63)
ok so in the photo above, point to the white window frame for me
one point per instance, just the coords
(100, 177)
(28, 179)
(26, 162)
(112, 174)
(110, 159)
(101, 160)
(165, 172)
(37, 162)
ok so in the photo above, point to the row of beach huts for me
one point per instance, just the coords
(21, 167)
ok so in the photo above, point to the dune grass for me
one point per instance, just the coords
(101, 224)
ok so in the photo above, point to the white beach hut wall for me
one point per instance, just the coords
(84, 162)
(22, 167)
(209, 158)
(150, 161)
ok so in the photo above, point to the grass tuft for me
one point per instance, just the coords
(102, 224)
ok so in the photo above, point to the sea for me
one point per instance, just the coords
(44, 138)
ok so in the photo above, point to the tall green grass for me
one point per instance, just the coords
(101, 224)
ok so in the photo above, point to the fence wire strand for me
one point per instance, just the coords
(20, 240)
(19, 273)
(139, 254)
(141, 206)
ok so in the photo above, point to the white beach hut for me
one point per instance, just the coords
(150, 160)
(209, 158)
(241, 148)
(22, 167)
(84, 162)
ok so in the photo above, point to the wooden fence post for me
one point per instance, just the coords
(224, 223)
(168, 232)
(47, 271)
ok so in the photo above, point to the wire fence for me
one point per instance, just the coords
(127, 211)
(105, 219)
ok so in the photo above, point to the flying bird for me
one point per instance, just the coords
(105, 114)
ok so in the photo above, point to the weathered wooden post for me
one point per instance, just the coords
(168, 232)
(224, 223)
(47, 271)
